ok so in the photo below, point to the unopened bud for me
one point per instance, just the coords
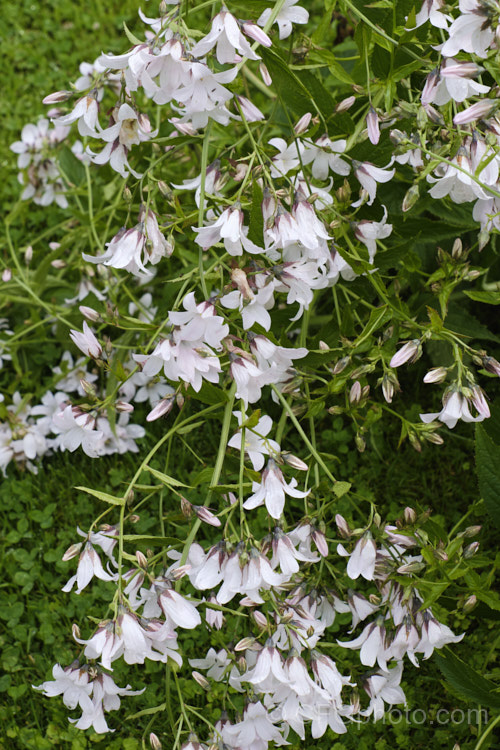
(433, 437)
(472, 531)
(303, 124)
(141, 559)
(244, 644)
(294, 461)
(161, 409)
(355, 392)
(411, 197)
(470, 603)
(345, 104)
(340, 365)
(89, 313)
(360, 443)
(124, 406)
(440, 554)
(186, 508)
(75, 630)
(88, 388)
(436, 375)
(6, 275)
(127, 194)
(205, 515)
(180, 572)
(264, 73)
(72, 551)
(471, 550)
(155, 742)
(57, 97)
(134, 518)
(260, 619)
(457, 249)
(343, 526)
(165, 190)
(201, 680)
(409, 516)
(412, 567)
(242, 664)
(415, 442)
(323, 346)
(58, 263)
(28, 255)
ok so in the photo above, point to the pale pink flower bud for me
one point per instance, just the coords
(430, 88)
(89, 313)
(475, 112)
(245, 643)
(239, 277)
(355, 392)
(260, 619)
(303, 124)
(202, 682)
(204, 514)
(410, 352)
(250, 111)
(162, 408)
(343, 526)
(409, 515)
(154, 742)
(372, 124)
(72, 551)
(470, 603)
(6, 275)
(255, 32)
(294, 461)
(461, 69)
(491, 365)
(471, 550)
(319, 540)
(57, 97)
(28, 255)
(411, 197)
(265, 74)
(124, 406)
(58, 263)
(345, 104)
(436, 375)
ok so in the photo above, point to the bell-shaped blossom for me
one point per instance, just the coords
(72, 683)
(288, 158)
(203, 96)
(288, 15)
(229, 229)
(431, 11)
(384, 687)
(271, 491)
(226, 36)
(89, 565)
(75, 428)
(371, 644)
(106, 697)
(324, 155)
(368, 232)
(410, 352)
(86, 341)
(369, 176)
(249, 378)
(362, 559)
(253, 302)
(373, 126)
(256, 730)
(472, 31)
(454, 82)
(129, 128)
(455, 407)
(86, 113)
(256, 443)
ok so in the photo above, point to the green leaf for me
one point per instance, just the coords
(103, 496)
(466, 681)
(131, 37)
(488, 298)
(71, 167)
(341, 488)
(189, 428)
(488, 472)
(256, 224)
(165, 478)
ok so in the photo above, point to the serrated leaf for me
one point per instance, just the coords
(166, 479)
(488, 472)
(103, 496)
(341, 488)
(466, 681)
